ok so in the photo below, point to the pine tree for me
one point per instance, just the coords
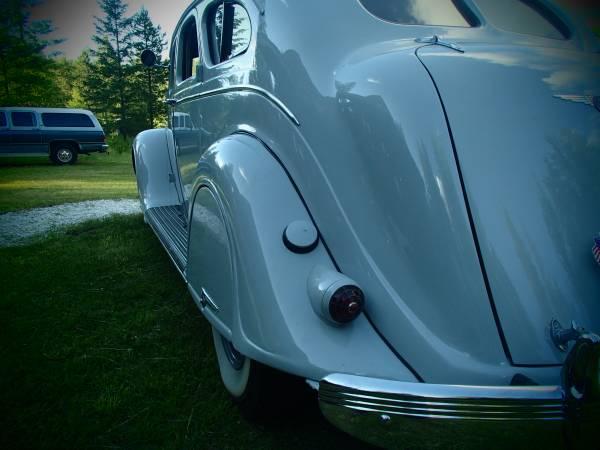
(153, 80)
(114, 40)
(26, 73)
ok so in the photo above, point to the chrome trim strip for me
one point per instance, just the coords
(205, 300)
(390, 414)
(443, 401)
(244, 88)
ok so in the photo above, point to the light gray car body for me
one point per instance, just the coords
(457, 186)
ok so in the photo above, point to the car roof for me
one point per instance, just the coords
(42, 110)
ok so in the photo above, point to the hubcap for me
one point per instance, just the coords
(64, 155)
(235, 358)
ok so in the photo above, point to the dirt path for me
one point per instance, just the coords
(16, 227)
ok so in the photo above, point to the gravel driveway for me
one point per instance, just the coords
(16, 227)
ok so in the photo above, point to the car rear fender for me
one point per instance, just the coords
(250, 286)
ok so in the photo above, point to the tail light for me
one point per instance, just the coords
(333, 296)
(346, 304)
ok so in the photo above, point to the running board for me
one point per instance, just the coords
(170, 226)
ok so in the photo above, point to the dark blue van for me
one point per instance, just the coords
(60, 133)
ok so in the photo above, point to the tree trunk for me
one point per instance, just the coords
(121, 83)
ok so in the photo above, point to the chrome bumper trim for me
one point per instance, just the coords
(419, 415)
(443, 401)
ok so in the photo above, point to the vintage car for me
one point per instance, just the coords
(60, 133)
(395, 201)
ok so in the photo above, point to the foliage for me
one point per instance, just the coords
(149, 36)
(119, 143)
(104, 348)
(27, 76)
(109, 80)
(126, 95)
(34, 182)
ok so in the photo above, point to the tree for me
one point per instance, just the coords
(26, 74)
(114, 40)
(148, 36)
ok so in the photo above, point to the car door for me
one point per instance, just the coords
(186, 79)
(25, 136)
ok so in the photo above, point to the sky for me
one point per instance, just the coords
(73, 20)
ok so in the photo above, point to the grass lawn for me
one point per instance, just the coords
(102, 347)
(33, 182)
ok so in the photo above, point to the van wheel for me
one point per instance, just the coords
(252, 385)
(63, 154)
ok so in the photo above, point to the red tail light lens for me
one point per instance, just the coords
(346, 304)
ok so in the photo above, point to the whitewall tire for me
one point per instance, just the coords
(234, 368)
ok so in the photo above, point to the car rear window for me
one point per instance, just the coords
(22, 119)
(67, 120)
(420, 12)
(524, 17)
(2, 119)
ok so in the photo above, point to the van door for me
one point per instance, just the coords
(4, 133)
(25, 136)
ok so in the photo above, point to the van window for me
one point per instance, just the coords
(420, 12)
(189, 56)
(524, 17)
(230, 31)
(2, 119)
(66, 120)
(22, 119)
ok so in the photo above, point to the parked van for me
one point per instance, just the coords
(60, 133)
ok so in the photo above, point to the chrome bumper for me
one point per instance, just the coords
(394, 414)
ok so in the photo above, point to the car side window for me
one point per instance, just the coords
(421, 12)
(3, 123)
(188, 56)
(67, 120)
(22, 119)
(524, 17)
(230, 31)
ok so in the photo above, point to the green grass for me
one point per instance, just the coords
(102, 347)
(35, 182)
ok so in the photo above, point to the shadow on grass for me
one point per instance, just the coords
(103, 347)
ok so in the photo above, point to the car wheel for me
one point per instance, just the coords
(63, 154)
(252, 385)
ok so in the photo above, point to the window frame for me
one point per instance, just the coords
(179, 48)
(208, 27)
(463, 7)
(35, 125)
